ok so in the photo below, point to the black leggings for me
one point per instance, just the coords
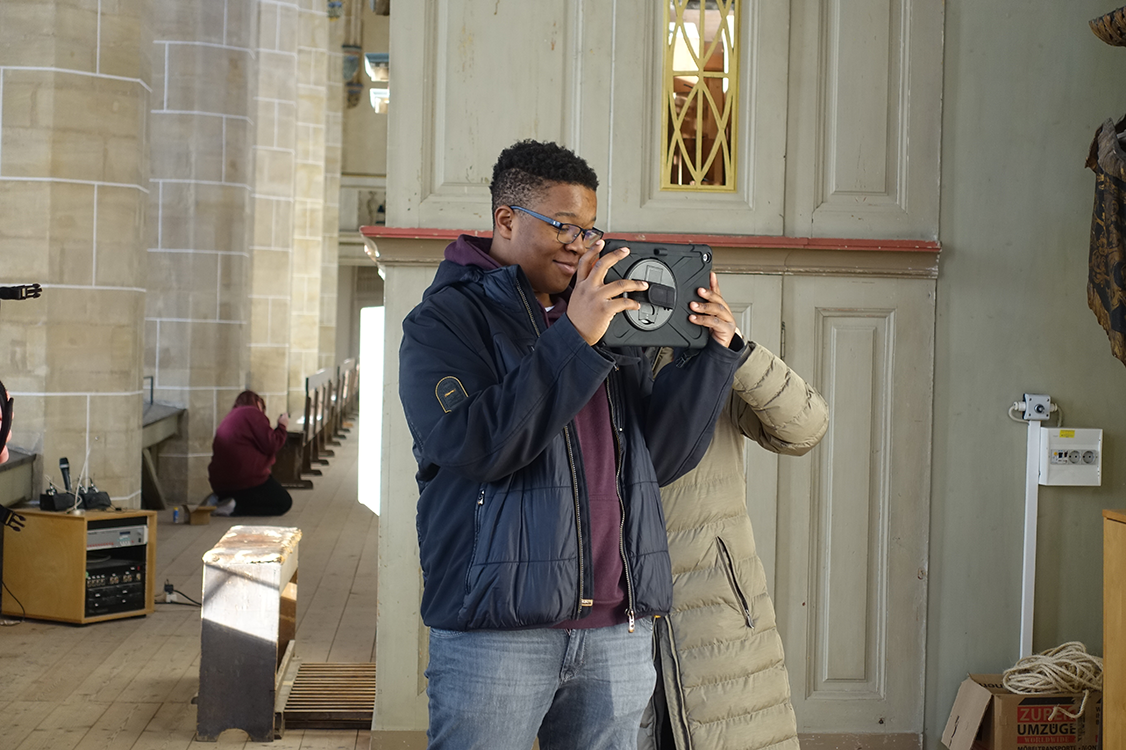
(267, 499)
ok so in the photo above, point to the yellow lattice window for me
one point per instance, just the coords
(700, 85)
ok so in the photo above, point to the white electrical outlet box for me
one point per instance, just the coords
(1071, 456)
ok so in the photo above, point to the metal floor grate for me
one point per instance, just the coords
(330, 696)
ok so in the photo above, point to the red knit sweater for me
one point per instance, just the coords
(243, 450)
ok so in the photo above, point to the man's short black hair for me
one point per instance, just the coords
(526, 169)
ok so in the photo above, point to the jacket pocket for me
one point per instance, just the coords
(733, 579)
(477, 509)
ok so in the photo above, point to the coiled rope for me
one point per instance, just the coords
(1064, 669)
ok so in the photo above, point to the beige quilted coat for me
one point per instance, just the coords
(719, 652)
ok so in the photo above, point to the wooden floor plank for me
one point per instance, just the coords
(20, 718)
(65, 726)
(328, 739)
(168, 665)
(172, 727)
(320, 627)
(355, 636)
(30, 650)
(86, 655)
(119, 668)
(119, 727)
(52, 739)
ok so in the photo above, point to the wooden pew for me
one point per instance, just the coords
(331, 396)
(316, 394)
(302, 452)
(290, 461)
(348, 385)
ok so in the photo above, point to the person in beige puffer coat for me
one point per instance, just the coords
(721, 676)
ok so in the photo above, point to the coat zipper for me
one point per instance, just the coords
(476, 533)
(582, 601)
(630, 611)
(730, 565)
(681, 712)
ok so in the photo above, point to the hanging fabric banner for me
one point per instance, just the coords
(1106, 290)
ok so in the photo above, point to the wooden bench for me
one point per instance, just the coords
(302, 452)
(331, 396)
(290, 461)
(159, 422)
(248, 630)
(347, 392)
(317, 389)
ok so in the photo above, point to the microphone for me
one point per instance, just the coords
(23, 291)
(64, 469)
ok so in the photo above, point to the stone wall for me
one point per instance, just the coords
(199, 222)
(271, 246)
(334, 124)
(308, 224)
(75, 89)
(163, 174)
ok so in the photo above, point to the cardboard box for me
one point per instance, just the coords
(986, 716)
(200, 515)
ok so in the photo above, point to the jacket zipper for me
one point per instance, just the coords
(476, 533)
(730, 565)
(574, 475)
(674, 653)
(630, 611)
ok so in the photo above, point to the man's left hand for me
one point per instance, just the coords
(714, 313)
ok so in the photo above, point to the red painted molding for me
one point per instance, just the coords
(715, 240)
(414, 233)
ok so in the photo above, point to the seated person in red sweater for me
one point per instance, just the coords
(241, 456)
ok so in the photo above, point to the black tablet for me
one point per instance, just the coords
(674, 273)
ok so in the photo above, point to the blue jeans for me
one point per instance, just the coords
(496, 689)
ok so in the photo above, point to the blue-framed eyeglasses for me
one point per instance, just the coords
(567, 233)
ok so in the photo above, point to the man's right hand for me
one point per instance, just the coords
(594, 303)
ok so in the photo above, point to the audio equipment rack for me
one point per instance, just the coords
(81, 568)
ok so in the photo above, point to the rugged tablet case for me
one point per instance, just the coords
(674, 273)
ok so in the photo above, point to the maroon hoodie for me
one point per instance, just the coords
(599, 455)
(243, 450)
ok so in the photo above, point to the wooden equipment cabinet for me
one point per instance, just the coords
(45, 564)
(1114, 629)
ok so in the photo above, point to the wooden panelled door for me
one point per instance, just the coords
(843, 531)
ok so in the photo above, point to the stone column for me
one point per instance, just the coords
(401, 640)
(308, 207)
(334, 137)
(198, 260)
(74, 96)
(271, 245)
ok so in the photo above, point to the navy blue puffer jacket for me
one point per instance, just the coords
(490, 394)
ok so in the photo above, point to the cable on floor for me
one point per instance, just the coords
(23, 616)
